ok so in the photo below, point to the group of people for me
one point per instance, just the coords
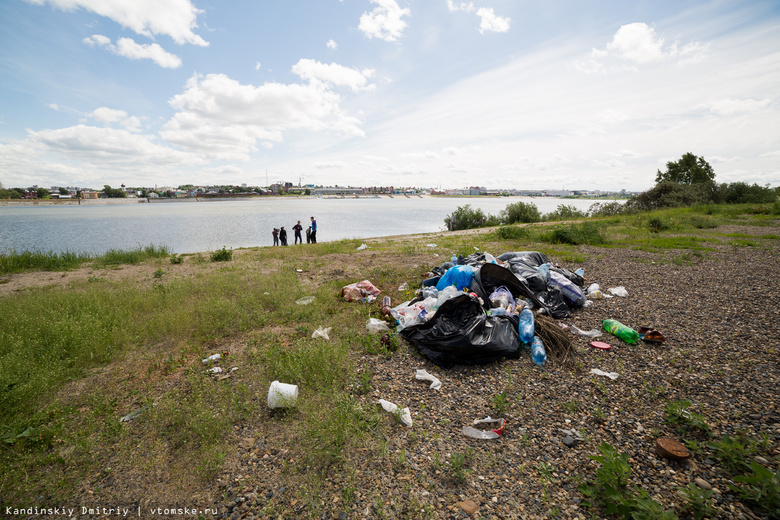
(280, 235)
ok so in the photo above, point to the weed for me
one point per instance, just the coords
(761, 488)
(500, 403)
(611, 492)
(158, 273)
(364, 382)
(698, 501)
(458, 469)
(571, 406)
(575, 234)
(734, 453)
(221, 255)
(513, 233)
(177, 259)
(656, 224)
(677, 413)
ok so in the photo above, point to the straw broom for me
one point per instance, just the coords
(556, 342)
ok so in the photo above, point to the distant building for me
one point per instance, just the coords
(89, 194)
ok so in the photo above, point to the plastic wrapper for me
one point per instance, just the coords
(460, 276)
(403, 415)
(423, 375)
(501, 297)
(375, 325)
(322, 333)
(361, 291)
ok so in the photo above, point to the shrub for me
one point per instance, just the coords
(672, 195)
(656, 224)
(564, 212)
(606, 209)
(520, 212)
(222, 255)
(761, 488)
(465, 217)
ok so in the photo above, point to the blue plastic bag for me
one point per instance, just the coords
(460, 276)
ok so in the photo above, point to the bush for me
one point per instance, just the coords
(672, 195)
(222, 255)
(465, 217)
(520, 212)
(606, 209)
(744, 193)
(564, 212)
(656, 224)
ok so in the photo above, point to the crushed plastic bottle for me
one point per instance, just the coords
(214, 357)
(544, 269)
(430, 292)
(526, 327)
(594, 292)
(623, 332)
(580, 272)
(474, 433)
(538, 354)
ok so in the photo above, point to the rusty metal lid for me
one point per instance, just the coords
(671, 449)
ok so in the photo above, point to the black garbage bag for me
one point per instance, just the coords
(554, 303)
(532, 258)
(490, 277)
(460, 333)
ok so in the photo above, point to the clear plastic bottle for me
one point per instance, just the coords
(526, 326)
(454, 259)
(538, 354)
(430, 292)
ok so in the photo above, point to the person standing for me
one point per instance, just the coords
(275, 234)
(308, 235)
(283, 236)
(313, 231)
(298, 228)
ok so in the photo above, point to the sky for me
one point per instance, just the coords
(445, 94)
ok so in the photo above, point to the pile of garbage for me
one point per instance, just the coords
(469, 310)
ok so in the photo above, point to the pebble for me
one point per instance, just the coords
(703, 483)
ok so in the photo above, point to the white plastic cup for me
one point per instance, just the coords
(282, 395)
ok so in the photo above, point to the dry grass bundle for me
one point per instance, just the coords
(557, 344)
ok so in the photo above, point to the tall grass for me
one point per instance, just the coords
(23, 261)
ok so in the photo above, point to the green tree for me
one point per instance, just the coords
(63, 191)
(688, 170)
(43, 193)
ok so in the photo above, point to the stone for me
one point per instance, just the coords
(703, 483)
(468, 506)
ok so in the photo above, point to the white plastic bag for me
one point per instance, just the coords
(375, 325)
(618, 291)
(322, 333)
(611, 375)
(306, 300)
(474, 433)
(362, 247)
(404, 416)
(423, 375)
(593, 333)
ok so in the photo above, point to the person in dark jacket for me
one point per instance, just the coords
(283, 236)
(298, 228)
(275, 234)
(313, 231)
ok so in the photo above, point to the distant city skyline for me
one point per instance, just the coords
(387, 92)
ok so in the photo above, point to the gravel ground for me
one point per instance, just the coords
(719, 313)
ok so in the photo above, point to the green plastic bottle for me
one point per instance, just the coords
(627, 334)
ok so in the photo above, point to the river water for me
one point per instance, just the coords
(189, 227)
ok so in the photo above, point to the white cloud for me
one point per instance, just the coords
(110, 115)
(637, 44)
(332, 45)
(257, 65)
(174, 18)
(465, 7)
(733, 107)
(334, 74)
(384, 22)
(101, 146)
(223, 118)
(329, 165)
(491, 22)
(130, 49)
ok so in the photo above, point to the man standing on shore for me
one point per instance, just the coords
(283, 236)
(313, 231)
(298, 228)
(275, 234)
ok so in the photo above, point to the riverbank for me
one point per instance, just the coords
(143, 200)
(212, 442)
